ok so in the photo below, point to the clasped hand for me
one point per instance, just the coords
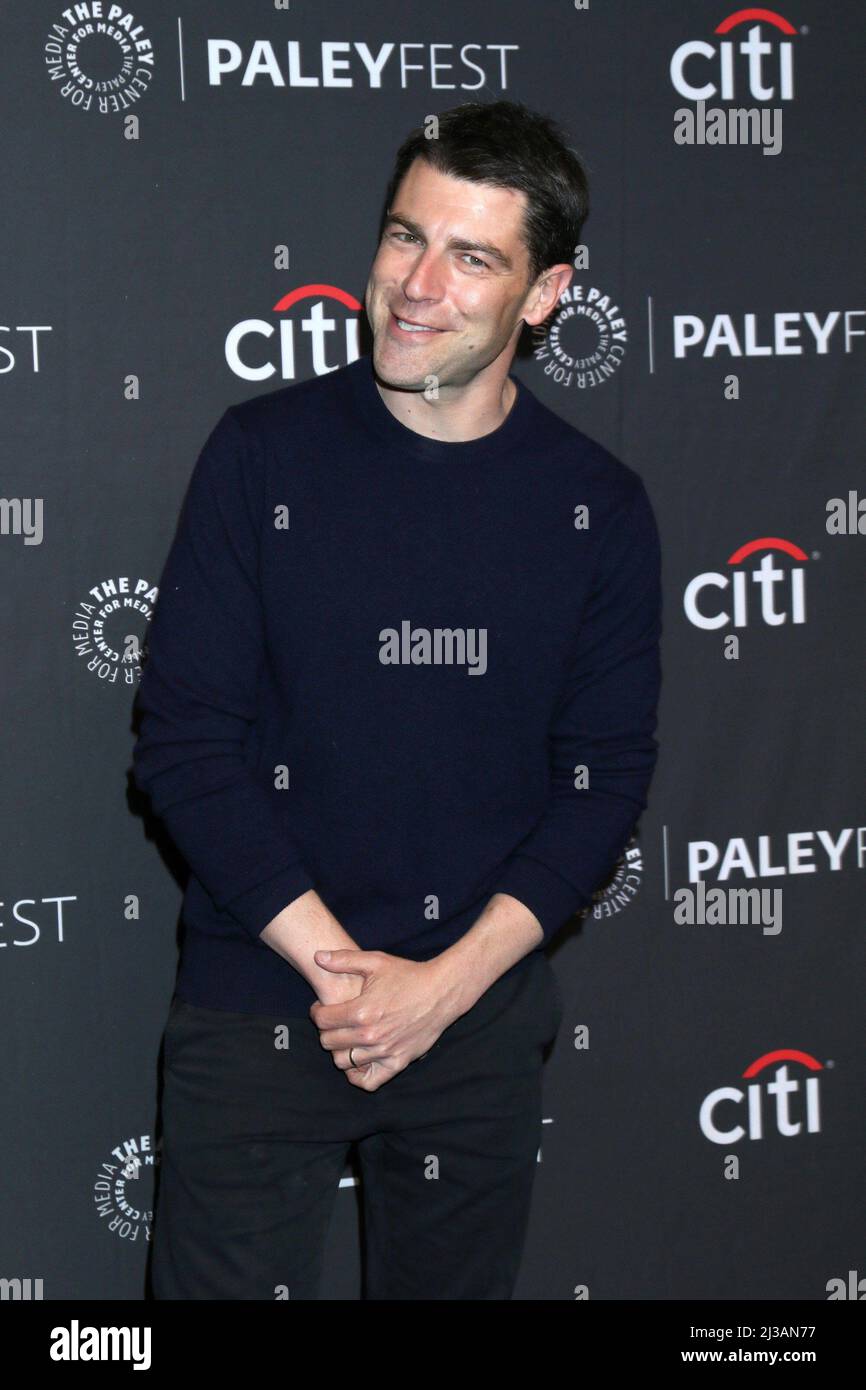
(402, 1009)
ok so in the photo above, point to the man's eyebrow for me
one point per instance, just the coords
(456, 243)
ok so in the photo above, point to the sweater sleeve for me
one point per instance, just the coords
(606, 718)
(198, 688)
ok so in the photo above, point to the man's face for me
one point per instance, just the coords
(452, 258)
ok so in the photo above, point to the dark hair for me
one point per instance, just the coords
(505, 144)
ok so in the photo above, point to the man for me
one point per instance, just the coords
(398, 715)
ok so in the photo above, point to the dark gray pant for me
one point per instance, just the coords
(255, 1140)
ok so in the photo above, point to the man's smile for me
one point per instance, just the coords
(406, 329)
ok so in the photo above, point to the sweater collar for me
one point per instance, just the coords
(391, 431)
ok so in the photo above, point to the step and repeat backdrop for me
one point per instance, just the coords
(191, 196)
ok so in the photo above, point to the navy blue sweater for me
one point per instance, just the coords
(376, 666)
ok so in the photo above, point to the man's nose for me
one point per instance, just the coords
(426, 278)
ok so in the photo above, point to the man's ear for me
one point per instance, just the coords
(545, 295)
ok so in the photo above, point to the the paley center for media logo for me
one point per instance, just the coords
(99, 57)
(109, 627)
(583, 342)
(124, 1188)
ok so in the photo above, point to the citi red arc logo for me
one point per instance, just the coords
(313, 292)
(782, 1054)
(779, 1101)
(327, 338)
(754, 12)
(765, 576)
(764, 68)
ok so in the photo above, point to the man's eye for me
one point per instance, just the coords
(467, 255)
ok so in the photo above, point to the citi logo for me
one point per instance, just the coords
(775, 595)
(323, 334)
(763, 66)
(780, 1102)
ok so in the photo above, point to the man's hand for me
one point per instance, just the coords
(403, 1008)
(302, 928)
